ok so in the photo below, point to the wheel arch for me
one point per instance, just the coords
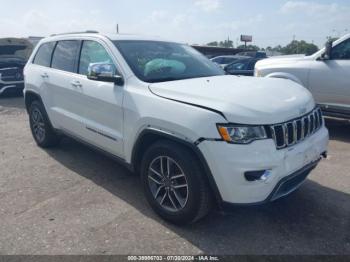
(149, 136)
(285, 75)
(29, 97)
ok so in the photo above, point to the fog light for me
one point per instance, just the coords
(261, 175)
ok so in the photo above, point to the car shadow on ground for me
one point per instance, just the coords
(313, 220)
(12, 101)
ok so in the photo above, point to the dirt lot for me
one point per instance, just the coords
(72, 200)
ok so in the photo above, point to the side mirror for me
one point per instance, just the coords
(328, 51)
(105, 73)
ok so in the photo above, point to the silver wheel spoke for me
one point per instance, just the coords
(155, 172)
(171, 200)
(178, 198)
(168, 166)
(180, 186)
(177, 176)
(154, 180)
(165, 194)
(158, 191)
(161, 166)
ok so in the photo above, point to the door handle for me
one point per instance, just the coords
(76, 83)
(44, 75)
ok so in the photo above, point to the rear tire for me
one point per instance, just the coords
(174, 183)
(42, 131)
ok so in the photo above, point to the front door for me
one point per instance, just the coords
(330, 79)
(101, 102)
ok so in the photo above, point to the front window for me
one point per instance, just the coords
(156, 61)
(341, 51)
(92, 53)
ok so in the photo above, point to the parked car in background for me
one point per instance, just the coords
(14, 54)
(225, 60)
(168, 113)
(253, 54)
(326, 74)
(242, 66)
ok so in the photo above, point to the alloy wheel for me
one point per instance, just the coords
(168, 183)
(38, 124)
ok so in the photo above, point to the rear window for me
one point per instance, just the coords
(43, 56)
(65, 55)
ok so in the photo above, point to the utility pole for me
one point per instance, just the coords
(117, 28)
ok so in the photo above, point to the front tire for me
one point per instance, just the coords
(174, 183)
(41, 128)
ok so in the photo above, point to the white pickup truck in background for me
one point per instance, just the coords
(326, 74)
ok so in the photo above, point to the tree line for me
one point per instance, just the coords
(294, 47)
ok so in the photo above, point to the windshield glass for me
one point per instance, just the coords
(155, 61)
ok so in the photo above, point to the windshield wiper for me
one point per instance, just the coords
(164, 79)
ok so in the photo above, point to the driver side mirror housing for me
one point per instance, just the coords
(327, 55)
(105, 73)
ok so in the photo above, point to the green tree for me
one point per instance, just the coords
(330, 38)
(249, 47)
(215, 43)
(226, 43)
(299, 47)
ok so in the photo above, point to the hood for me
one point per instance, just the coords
(243, 100)
(286, 59)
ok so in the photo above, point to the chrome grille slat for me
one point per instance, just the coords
(294, 131)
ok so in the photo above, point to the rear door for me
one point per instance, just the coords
(63, 92)
(329, 80)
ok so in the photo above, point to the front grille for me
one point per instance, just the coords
(294, 131)
(11, 74)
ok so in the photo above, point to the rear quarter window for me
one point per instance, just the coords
(44, 54)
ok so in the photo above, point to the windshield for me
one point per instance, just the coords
(155, 61)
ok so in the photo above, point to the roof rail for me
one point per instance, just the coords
(84, 32)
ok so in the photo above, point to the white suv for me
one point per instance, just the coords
(195, 135)
(325, 74)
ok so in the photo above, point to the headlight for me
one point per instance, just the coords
(257, 73)
(241, 134)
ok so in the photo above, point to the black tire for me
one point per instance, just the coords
(42, 131)
(199, 199)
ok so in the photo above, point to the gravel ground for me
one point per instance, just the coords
(72, 200)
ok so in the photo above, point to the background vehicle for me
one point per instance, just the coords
(242, 66)
(253, 54)
(325, 74)
(223, 61)
(14, 54)
(167, 112)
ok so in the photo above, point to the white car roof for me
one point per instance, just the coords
(112, 37)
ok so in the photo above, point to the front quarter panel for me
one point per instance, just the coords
(297, 71)
(143, 109)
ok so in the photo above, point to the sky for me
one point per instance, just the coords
(270, 22)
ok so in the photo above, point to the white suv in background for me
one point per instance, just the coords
(195, 135)
(326, 74)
